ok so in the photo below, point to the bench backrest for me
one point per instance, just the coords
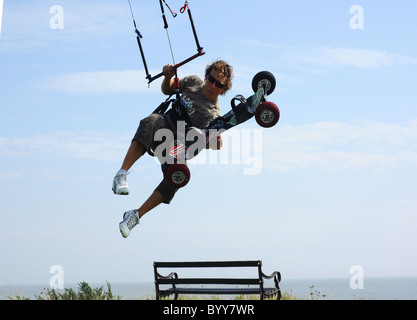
(209, 264)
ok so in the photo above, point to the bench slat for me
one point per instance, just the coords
(207, 281)
(217, 291)
(207, 264)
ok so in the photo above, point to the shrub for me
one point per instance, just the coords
(85, 292)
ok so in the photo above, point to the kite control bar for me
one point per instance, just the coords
(139, 36)
(200, 53)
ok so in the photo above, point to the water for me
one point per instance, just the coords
(339, 289)
(321, 289)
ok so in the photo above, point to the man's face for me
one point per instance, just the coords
(212, 88)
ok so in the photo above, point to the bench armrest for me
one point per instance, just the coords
(276, 276)
(172, 275)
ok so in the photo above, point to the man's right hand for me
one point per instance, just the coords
(168, 71)
(168, 84)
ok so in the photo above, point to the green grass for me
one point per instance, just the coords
(85, 292)
(242, 297)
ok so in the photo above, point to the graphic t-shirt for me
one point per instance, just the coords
(201, 110)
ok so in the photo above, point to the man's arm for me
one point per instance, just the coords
(168, 84)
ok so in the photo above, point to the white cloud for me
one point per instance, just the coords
(13, 174)
(312, 58)
(101, 82)
(336, 146)
(322, 146)
(109, 82)
(26, 25)
(69, 145)
(359, 58)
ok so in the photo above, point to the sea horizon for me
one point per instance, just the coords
(374, 288)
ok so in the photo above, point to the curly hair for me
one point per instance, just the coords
(225, 70)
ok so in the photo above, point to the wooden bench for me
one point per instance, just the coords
(215, 286)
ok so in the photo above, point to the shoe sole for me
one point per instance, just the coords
(123, 234)
(122, 193)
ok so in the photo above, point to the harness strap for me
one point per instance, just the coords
(182, 10)
(172, 11)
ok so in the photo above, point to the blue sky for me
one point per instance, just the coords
(331, 186)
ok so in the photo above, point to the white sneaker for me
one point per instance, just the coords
(130, 220)
(120, 184)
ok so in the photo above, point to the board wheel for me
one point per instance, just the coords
(178, 175)
(267, 114)
(264, 78)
